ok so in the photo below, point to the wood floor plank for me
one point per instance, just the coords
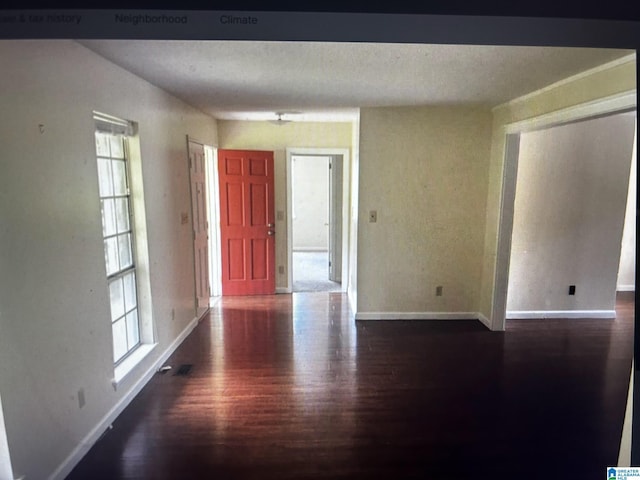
(289, 387)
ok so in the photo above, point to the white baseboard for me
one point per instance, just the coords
(416, 316)
(310, 249)
(65, 468)
(521, 315)
(484, 320)
(626, 288)
(280, 290)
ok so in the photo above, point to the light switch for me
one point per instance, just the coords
(373, 216)
(280, 215)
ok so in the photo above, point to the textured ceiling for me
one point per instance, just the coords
(324, 81)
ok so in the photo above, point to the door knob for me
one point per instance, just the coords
(271, 225)
(271, 232)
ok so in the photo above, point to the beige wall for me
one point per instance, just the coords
(55, 335)
(599, 84)
(310, 203)
(569, 212)
(424, 170)
(267, 136)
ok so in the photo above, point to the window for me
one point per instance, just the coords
(118, 234)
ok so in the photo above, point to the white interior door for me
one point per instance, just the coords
(197, 174)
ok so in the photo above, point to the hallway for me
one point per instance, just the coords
(311, 273)
(290, 387)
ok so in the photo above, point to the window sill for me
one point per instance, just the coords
(122, 370)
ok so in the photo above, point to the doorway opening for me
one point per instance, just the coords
(311, 230)
(569, 207)
(317, 191)
(605, 107)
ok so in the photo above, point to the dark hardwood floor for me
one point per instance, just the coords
(288, 387)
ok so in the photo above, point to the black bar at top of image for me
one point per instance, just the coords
(612, 9)
(301, 26)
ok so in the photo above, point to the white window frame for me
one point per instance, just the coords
(137, 222)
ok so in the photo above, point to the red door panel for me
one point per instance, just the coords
(247, 222)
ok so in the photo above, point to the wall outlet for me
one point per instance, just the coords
(439, 291)
(280, 215)
(81, 399)
(572, 289)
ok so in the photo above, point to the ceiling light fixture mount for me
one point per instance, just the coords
(279, 120)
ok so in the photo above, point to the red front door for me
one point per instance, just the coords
(247, 222)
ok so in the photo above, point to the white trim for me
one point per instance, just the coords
(65, 468)
(505, 231)
(600, 106)
(416, 316)
(131, 362)
(626, 288)
(484, 320)
(586, 73)
(213, 214)
(310, 249)
(113, 125)
(536, 314)
(6, 470)
(624, 453)
(148, 333)
(283, 290)
(346, 200)
(352, 296)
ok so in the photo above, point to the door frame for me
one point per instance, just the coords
(213, 202)
(610, 105)
(336, 169)
(6, 470)
(346, 185)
